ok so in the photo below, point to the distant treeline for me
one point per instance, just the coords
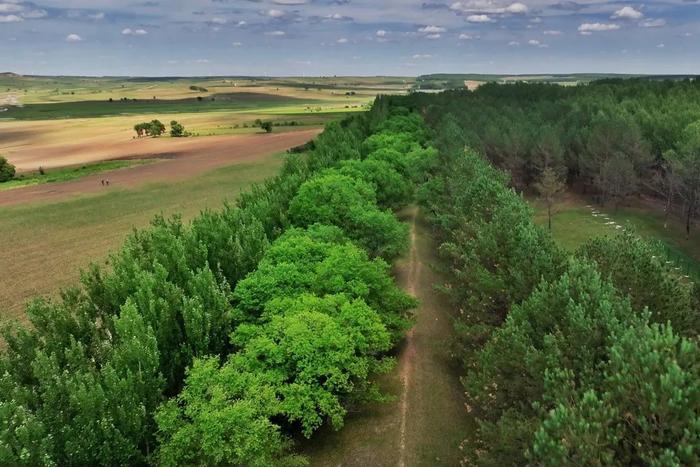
(612, 138)
(589, 358)
(219, 341)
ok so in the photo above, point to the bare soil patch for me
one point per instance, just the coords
(184, 158)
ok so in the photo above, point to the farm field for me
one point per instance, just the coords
(174, 160)
(53, 241)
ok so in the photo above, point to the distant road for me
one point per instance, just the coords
(182, 158)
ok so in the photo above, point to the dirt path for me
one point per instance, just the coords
(183, 158)
(427, 421)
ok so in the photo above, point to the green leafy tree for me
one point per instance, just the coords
(156, 128)
(177, 130)
(7, 170)
(351, 205)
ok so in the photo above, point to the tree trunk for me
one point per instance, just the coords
(549, 215)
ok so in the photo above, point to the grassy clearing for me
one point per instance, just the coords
(573, 224)
(51, 242)
(436, 421)
(66, 174)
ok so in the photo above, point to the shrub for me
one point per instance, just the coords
(7, 170)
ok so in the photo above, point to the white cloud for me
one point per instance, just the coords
(431, 30)
(35, 14)
(237, 44)
(342, 40)
(241, 23)
(536, 43)
(488, 7)
(465, 37)
(551, 32)
(433, 36)
(381, 33)
(513, 43)
(661, 46)
(218, 20)
(587, 28)
(275, 13)
(10, 19)
(134, 32)
(627, 13)
(422, 56)
(202, 60)
(479, 19)
(10, 7)
(276, 33)
(73, 38)
(653, 23)
(97, 16)
(290, 2)
(517, 8)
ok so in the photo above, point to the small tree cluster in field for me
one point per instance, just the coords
(264, 125)
(220, 341)
(177, 130)
(198, 88)
(583, 359)
(153, 128)
(7, 170)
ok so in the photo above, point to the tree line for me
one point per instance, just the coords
(588, 358)
(156, 128)
(610, 139)
(219, 341)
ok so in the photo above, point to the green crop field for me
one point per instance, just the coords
(53, 241)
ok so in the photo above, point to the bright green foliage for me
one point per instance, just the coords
(391, 188)
(322, 261)
(645, 412)
(222, 418)
(304, 363)
(640, 270)
(321, 352)
(351, 205)
(7, 170)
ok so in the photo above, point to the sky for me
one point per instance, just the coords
(347, 37)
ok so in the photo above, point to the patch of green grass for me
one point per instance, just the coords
(573, 224)
(65, 174)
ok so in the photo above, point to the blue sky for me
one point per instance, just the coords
(347, 37)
